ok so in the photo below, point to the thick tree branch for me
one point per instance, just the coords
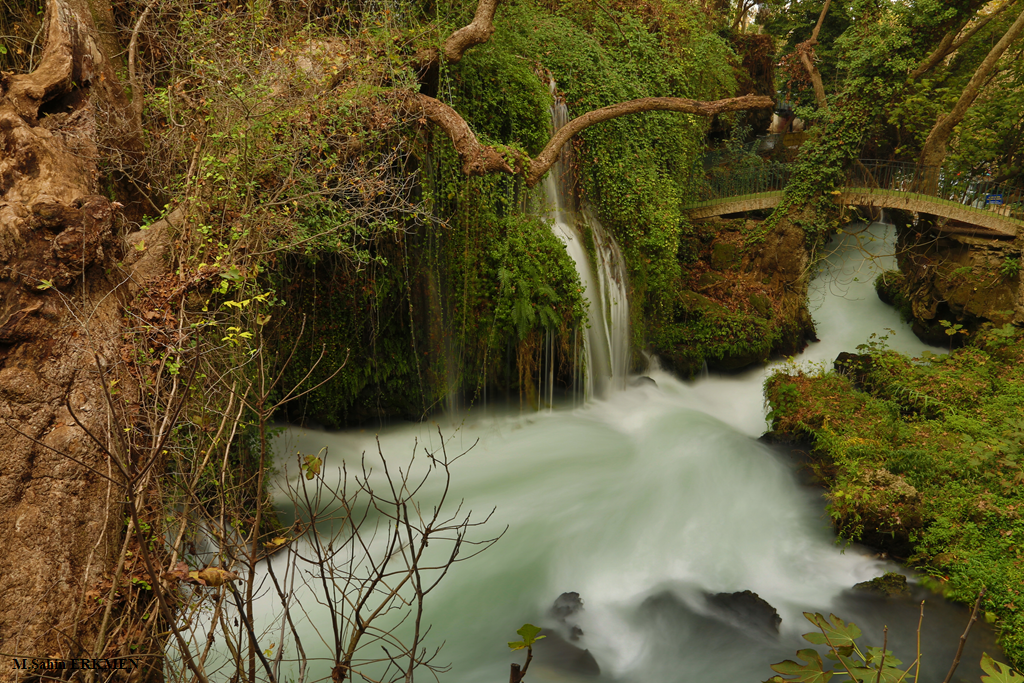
(478, 31)
(948, 45)
(479, 159)
(806, 52)
(548, 156)
(934, 149)
(821, 20)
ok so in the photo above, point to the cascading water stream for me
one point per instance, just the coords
(606, 338)
(644, 504)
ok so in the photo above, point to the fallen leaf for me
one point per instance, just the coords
(215, 576)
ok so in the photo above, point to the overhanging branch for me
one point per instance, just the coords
(476, 32)
(548, 156)
(480, 159)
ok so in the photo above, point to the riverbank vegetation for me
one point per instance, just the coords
(923, 458)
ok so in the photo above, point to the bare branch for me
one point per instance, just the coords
(133, 51)
(963, 638)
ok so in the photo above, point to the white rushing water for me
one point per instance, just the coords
(642, 503)
(606, 337)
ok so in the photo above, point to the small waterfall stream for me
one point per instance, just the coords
(645, 503)
(606, 338)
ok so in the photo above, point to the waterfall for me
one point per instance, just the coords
(606, 339)
(645, 504)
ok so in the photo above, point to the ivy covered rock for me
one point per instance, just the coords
(740, 300)
(888, 585)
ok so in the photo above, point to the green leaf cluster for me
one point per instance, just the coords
(852, 664)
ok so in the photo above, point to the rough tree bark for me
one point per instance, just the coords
(934, 150)
(59, 311)
(806, 52)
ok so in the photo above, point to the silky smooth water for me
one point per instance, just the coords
(606, 335)
(643, 503)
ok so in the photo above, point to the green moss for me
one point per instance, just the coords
(471, 287)
(724, 256)
(633, 170)
(762, 305)
(889, 585)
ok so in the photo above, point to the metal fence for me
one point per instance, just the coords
(724, 182)
(732, 182)
(979, 192)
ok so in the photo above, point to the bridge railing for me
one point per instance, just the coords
(725, 182)
(1006, 198)
(732, 183)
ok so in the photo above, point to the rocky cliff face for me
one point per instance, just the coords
(741, 300)
(957, 276)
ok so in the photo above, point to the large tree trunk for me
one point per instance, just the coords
(806, 52)
(60, 315)
(934, 150)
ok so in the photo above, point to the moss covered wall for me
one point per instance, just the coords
(464, 300)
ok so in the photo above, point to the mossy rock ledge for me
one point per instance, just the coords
(954, 278)
(738, 304)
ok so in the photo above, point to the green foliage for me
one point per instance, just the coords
(997, 672)
(633, 169)
(528, 259)
(927, 461)
(870, 664)
(1009, 268)
(310, 466)
(855, 665)
(501, 98)
(529, 632)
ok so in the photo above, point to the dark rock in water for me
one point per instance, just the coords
(642, 381)
(746, 609)
(889, 585)
(554, 650)
(854, 365)
(557, 652)
(566, 605)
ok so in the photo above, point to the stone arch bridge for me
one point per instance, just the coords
(977, 204)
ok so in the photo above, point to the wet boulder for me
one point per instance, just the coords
(558, 653)
(747, 610)
(555, 649)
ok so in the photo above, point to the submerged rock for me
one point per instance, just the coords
(566, 605)
(746, 609)
(557, 652)
(554, 650)
(642, 381)
(889, 585)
